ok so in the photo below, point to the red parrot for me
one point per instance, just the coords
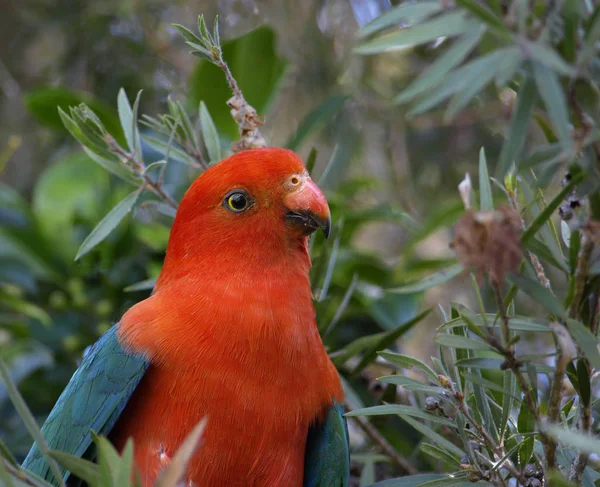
(229, 333)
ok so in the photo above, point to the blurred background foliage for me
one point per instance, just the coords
(389, 168)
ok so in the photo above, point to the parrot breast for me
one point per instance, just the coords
(243, 352)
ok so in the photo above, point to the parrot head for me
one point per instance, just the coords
(254, 206)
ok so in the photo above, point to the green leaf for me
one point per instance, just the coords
(108, 223)
(472, 85)
(517, 132)
(411, 384)
(210, 134)
(488, 384)
(548, 57)
(315, 120)
(408, 481)
(436, 279)
(254, 63)
(462, 80)
(510, 391)
(144, 285)
(126, 464)
(114, 166)
(554, 100)
(407, 362)
(526, 424)
(590, 49)
(481, 363)
(516, 323)
(538, 293)
(508, 67)
(84, 469)
(173, 474)
(42, 104)
(407, 13)
(390, 409)
(27, 418)
(433, 436)
(485, 14)
(585, 443)
(546, 213)
(387, 340)
(435, 74)
(586, 341)
(485, 188)
(462, 342)
(440, 454)
(162, 146)
(446, 25)
(126, 118)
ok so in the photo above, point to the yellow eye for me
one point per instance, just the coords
(236, 201)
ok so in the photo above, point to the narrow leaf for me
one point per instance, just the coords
(519, 123)
(407, 362)
(538, 293)
(436, 279)
(435, 74)
(387, 340)
(410, 13)
(108, 223)
(485, 188)
(447, 25)
(398, 409)
(84, 469)
(27, 418)
(433, 436)
(462, 342)
(554, 100)
(586, 341)
(210, 134)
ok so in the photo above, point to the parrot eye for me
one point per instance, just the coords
(236, 201)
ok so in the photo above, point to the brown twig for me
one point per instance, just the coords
(243, 113)
(488, 440)
(387, 448)
(581, 274)
(138, 168)
(17, 473)
(585, 415)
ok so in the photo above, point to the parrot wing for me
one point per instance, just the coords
(93, 400)
(327, 458)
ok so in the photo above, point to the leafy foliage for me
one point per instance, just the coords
(510, 397)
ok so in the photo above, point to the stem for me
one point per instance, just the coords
(138, 168)
(585, 414)
(17, 473)
(555, 395)
(585, 424)
(514, 365)
(581, 273)
(489, 441)
(378, 438)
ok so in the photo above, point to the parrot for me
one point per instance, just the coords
(229, 334)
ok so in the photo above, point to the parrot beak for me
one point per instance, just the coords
(307, 209)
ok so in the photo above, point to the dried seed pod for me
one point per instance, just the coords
(489, 242)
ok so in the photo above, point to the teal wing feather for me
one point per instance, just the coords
(93, 400)
(327, 457)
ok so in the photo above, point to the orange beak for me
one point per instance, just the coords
(307, 209)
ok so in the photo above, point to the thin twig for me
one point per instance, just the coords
(585, 416)
(581, 274)
(138, 168)
(387, 448)
(488, 440)
(511, 362)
